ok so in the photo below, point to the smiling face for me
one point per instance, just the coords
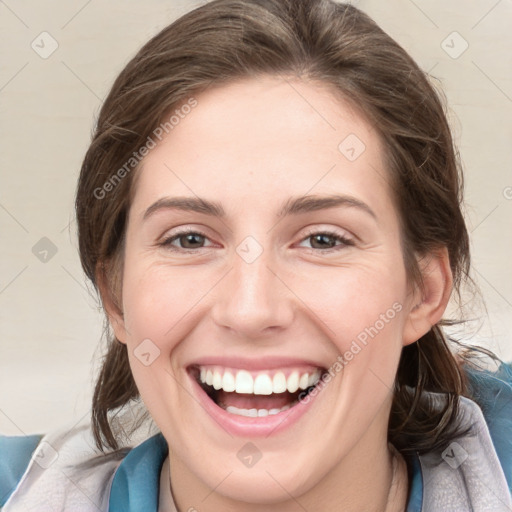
(292, 270)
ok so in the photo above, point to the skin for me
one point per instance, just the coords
(251, 145)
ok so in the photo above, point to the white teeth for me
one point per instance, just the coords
(242, 381)
(292, 383)
(217, 380)
(279, 383)
(262, 385)
(254, 413)
(314, 378)
(228, 382)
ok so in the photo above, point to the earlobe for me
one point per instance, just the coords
(429, 304)
(110, 304)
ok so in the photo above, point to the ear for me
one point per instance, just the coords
(111, 304)
(429, 303)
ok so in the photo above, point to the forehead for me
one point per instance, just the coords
(263, 138)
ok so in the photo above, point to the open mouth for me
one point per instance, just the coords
(256, 394)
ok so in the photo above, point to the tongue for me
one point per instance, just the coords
(250, 401)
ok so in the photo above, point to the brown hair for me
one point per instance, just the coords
(320, 40)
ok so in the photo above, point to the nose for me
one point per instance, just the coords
(253, 299)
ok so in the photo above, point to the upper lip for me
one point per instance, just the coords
(256, 364)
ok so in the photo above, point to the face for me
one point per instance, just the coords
(288, 277)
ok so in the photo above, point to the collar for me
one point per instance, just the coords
(415, 502)
(136, 482)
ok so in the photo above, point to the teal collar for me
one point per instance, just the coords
(136, 482)
(416, 484)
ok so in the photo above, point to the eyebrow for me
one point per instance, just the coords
(293, 206)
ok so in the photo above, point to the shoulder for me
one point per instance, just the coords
(492, 391)
(474, 472)
(489, 387)
(15, 455)
(55, 470)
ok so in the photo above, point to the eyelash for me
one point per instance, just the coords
(344, 241)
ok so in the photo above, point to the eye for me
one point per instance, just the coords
(189, 240)
(326, 240)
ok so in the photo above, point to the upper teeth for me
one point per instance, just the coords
(258, 383)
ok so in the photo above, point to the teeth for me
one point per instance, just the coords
(217, 380)
(303, 381)
(262, 385)
(292, 384)
(313, 378)
(242, 381)
(254, 413)
(279, 383)
(228, 382)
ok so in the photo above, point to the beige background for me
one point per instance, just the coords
(50, 324)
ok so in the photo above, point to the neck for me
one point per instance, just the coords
(399, 488)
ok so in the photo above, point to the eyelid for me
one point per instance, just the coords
(328, 230)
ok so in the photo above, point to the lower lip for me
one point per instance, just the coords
(262, 426)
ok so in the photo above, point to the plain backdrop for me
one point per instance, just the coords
(58, 61)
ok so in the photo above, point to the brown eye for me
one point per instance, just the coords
(326, 241)
(323, 241)
(186, 239)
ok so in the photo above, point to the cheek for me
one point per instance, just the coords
(157, 305)
(360, 309)
(357, 303)
(156, 301)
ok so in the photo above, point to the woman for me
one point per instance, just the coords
(294, 359)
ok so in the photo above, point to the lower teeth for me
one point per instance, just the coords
(254, 413)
